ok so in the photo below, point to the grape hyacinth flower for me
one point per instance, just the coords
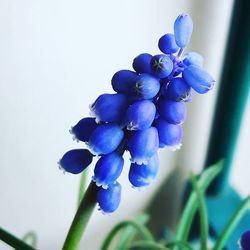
(145, 113)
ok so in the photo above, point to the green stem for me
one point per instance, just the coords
(143, 231)
(192, 205)
(82, 186)
(202, 213)
(13, 241)
(231, 224)
(81, 218)
(149, 245)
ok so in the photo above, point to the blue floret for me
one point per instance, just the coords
(167, 44)
(170, 135)
(171, 111)
(84, 128)
(141, 63)
(198, 79)
(76, 160)
(143, 144)
(105, 139)
(123, 80)
(144, 174)
(183, 28)
(107, 169)
(109, 199)
(110, 107)
(161, 65)
(178, 90)
(140, 115)
(146, 86)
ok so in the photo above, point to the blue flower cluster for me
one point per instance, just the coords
(146, 113)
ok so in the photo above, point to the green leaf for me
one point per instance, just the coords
(147, 245)
(232, 224)
(202, 213)
(13, 241)
(142, 230)
(129, 232)
(191, 206)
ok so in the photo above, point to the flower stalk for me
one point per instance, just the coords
(81, 218)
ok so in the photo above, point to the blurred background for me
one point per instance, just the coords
(56, 57)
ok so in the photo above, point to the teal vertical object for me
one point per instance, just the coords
(232, 96)
(222, 200)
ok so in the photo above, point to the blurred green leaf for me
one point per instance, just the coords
(129, 232)
(220, 243)
(192, 204)
(182, 244)
(31, 238)
(147, 245)
(141, 230)
(202, 213)
(13, 241)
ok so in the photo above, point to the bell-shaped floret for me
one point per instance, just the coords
(143, 175)
(171, 111)
(178, 90)
(105, 139)
(141, 63)
(183, 28)
(161, 65)
(109, 199)
(110, 107)
(170, 135)
(146, 86)
(108, 168)
(84, 128)
(167, 44)
(123, 81)
(198, 79)
(76, 160)
(140, 115)
(143, 144)
(193, 58)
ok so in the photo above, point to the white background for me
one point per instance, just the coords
(56, 57)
